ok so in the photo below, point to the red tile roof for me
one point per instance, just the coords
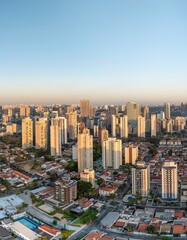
(178, 228)
(50, 230)
(142, 227)
(179, 215)
(94, 236)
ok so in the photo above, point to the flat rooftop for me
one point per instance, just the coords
(11, 200)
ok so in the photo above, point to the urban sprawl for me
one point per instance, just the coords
(93, 172)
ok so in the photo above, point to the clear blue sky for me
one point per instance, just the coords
(109, 51)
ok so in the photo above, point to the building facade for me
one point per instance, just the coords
(140, 179)
(85, 150)
(112, 153)
(169, 181)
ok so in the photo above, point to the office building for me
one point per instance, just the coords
(27, 133)
(112, 153)
(140, 179)
(85, 150)
(169, 181)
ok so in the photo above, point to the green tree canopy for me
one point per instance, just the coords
(84, 188)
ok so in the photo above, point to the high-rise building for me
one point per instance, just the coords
(55, 140)
(41, 133)
(161, 115)
(72, 124)
(91, 111)
(9, 112)
(61, 122)
(88, 175)
(141, 126)
(124, 126)
(169, 126)
(133, 111)
(167, 110)
(113, 110)
(96, 130)
(112, 153)
(22, 111)
(131, 154)
(27, 133)
(164, 124)
(27, 111)
(123, 107)
(75, 152)
(84, 108)
(114, 121)
(85, 150)
(103, 135)
(169, 180)
(65, 191)
(140, 179)
(70, 109)
(4, 119)
(153, 125)
(179, 124)
(146, 112)
(11, 128)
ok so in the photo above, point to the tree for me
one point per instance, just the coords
(164, 238)
(100, 181)
(170, 152)
(152, 150)
(112, 195)
(84, 188)
(150, 229)
(49, 158)
(5, 183)
(72, 166)
(97, 151)
(65, 233)
(41, 152)
(55, 222)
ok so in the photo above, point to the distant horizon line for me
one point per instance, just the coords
(93, 104)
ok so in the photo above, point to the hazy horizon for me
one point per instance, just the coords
(105, 51)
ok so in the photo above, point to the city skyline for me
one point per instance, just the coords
(104, 51)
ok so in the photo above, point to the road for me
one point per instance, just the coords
(95, 225)
(92, 226)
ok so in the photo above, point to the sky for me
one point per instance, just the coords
(107, 51)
